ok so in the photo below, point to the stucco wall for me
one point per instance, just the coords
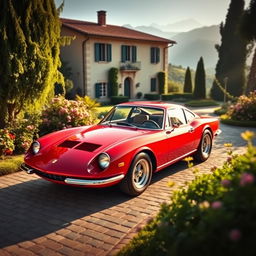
(97, 72)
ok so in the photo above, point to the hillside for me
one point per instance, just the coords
(194, 44)
(177, 74)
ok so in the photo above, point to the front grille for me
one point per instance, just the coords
(86, 146)
(50, 176)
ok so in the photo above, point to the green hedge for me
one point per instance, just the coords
(214, 215)
(10, 164)
(173, 96)
(150, 96)
(119, 99)
(202, 103)
(229, 121)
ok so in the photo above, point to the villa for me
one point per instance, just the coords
(97, 47)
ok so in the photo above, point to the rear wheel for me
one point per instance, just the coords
(205, 147)
(139, 175)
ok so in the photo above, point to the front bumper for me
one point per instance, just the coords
(218, 132)
(71, 180)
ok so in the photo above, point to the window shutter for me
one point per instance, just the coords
(109, 52)
(97, 52)
(157, 54)
(134, 53)
(123, 53)
(152, 54)
(97, 90)
(153, 84)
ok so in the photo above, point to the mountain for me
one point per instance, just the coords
(193, 44)
(180, 26)
(151, 30)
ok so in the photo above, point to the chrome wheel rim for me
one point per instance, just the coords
(206, 145)
(141, 174)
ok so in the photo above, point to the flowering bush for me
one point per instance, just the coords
(6, 142)
(244, 109)
(63, 113)
(214, 215)
(25, 131)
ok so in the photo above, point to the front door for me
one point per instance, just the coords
(127, 87)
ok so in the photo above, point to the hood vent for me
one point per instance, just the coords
(90, 147)
(69, 144)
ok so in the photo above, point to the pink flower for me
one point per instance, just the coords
(235, 235)
(68, 118)
(225, 183)
(216, 205)
(30, 127)
(229, 159)
(45, 120)
(63, 111)
(246, 179)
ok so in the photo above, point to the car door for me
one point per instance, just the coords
(180, 134)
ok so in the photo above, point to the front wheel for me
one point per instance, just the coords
(205, 147)
(138, 176)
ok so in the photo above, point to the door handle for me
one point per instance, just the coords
(191, 129)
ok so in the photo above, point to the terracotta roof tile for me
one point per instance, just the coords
(94, 29)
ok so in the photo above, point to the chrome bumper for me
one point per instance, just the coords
(218, 132)
(93, 182)
(28, 170)
(80, 182)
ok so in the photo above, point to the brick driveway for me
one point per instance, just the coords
(41, 218)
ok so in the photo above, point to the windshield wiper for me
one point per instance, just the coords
(127, 124)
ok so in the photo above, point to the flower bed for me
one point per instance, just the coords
(214, 215)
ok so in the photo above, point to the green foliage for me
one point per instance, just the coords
(29, 55)
(119, 99)
(244, 109)
(214, 215)
(174, 86)
(162, 82)
(188, 82)
(175, 96)
(232, 53)
(202, 103)
(6, 142)
(200, 89)
(63, 113)
(113, 81)
(151, 96)
(10, 164)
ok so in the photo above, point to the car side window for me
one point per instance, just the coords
(176, 117)
(189, 116)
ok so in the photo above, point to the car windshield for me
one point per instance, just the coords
(135, 116)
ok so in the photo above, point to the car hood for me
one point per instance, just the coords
(71, 154)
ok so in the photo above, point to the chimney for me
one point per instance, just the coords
(102, 18)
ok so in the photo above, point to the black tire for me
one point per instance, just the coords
(205, 147)
(137, 180)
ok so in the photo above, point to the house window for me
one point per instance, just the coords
(128, 53)
(155, 54)
(102, 52)
(153, 85)
(101, 90)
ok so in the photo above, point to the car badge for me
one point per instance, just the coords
(54, 161)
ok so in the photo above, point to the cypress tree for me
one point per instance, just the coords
(187, 82)
(113, 82)
(232, 53)
(200, 89)
(29, 55)
(249, 32)
(162, 84)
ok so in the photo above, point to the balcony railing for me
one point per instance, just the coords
(130, 66)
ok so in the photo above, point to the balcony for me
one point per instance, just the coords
(130, 66)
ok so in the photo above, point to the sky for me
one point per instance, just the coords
(146, 12)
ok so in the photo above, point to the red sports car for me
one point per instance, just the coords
(132, 141)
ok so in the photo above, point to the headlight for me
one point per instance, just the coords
(104, 160)
(35, 147)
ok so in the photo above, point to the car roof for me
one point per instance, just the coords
(155, 104)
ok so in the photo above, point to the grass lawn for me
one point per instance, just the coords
(103, 110)
(202, 103)
(10, 164)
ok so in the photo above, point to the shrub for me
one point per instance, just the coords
(173, 96)
(214, 215)
(113, 81)
(62, 114)
(244, 109)
(174, 86)
(150, 96)
(202, 103)
(119, 99)
(6, 142)
(139, 95)
(162, 82)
